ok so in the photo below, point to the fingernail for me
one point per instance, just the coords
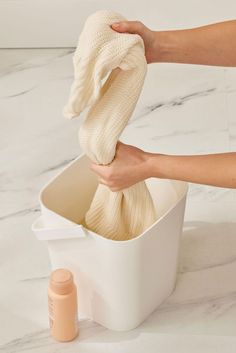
(116, 24)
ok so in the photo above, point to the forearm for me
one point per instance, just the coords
(212, 44)
(210, 169)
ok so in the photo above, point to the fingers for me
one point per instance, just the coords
(128, 26)
(104, 174)
(102, 181)
(100, 168)
(109, 185)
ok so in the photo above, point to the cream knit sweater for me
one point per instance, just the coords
(119, 59)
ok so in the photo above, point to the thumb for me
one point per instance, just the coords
(99, 169)
(127, 26)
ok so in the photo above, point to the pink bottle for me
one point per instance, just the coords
(62, 305)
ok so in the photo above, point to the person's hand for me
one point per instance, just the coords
(129, 166)
(148, 36)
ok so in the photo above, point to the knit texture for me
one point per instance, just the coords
(103, 54)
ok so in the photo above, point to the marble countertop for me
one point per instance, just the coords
(183, 109)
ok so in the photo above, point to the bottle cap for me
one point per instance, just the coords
(61, 281)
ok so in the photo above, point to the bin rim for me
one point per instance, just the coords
(99, 236)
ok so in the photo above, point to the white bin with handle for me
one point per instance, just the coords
(120, 283)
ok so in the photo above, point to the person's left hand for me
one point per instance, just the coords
(128, 167)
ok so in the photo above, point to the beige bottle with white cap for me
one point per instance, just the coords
(62, 305)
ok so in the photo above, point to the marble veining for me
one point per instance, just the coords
(176, 101)
(182, 110)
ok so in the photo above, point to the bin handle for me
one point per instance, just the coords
(46, 233)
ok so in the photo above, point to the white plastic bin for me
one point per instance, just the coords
(119, 282)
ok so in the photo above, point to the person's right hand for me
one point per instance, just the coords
(148, 36)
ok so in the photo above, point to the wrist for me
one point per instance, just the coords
(158, 165)
(168, 46)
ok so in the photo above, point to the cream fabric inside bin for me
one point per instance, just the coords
(72, 192)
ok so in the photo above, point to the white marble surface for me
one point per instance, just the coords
(183, 109)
